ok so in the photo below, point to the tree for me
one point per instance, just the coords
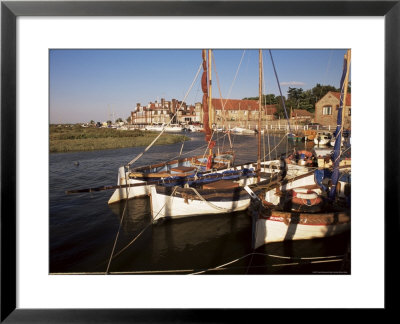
(280, 109)
(119, 120)
(321, 90)
(129, 119)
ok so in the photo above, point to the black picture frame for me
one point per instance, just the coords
(10, 10)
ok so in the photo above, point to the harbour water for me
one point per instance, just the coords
(83, 227)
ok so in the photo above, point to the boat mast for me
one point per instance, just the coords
(259, 113)
(338, 141)
(204, 86)
(210, 109)
(346, 83)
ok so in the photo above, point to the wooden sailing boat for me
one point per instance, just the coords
(217, 197)
(313, 205)
(136, 182)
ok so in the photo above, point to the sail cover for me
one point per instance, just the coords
(338, 133)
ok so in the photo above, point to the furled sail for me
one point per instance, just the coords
(339, 127)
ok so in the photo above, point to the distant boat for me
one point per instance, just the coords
(333, 140)
(322, 138)
(164, 127)
(194, 128)
(242, 131)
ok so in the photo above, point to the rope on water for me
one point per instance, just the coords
(191, 271)
(223, 265)
(333, 258)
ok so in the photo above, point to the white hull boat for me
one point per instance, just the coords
(278, 218)
(219, 197)
(166, 128)
(173, 129)
(281, 227)
(322, 138)
(137, 182)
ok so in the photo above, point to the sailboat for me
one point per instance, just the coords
(313, 205)
(218, 197)
(138, 181)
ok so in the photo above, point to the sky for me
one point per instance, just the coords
(103, 85)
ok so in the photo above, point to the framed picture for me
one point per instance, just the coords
(29, 292)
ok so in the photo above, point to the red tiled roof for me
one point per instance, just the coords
(337, 95)
(233, 104)
(270, 109)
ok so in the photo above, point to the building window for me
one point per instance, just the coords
(327, 110)
(349, 111)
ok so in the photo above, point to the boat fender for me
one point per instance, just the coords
(306, 202)
(304, 193)
(309, 198)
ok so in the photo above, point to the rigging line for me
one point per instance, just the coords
(280, 90)
(116, 238)
(342, 90)
(219, 89)
(326, 72)
(205, 152)
(198, 148)
(276, 146)
(145, 228)
(152, 143)
(266, 111)
(236, 74)
(180, 152)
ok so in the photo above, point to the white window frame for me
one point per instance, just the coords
(327, 110)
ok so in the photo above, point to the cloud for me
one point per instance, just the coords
(292, 83)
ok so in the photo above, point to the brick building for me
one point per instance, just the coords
(224, 110)
(240, 110)
(301, 115)
(326, 110)
(155, 112)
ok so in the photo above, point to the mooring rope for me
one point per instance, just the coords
(317, 260)
(208, 203)
(138, 235)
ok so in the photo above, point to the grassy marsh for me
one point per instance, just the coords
(72, 138)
